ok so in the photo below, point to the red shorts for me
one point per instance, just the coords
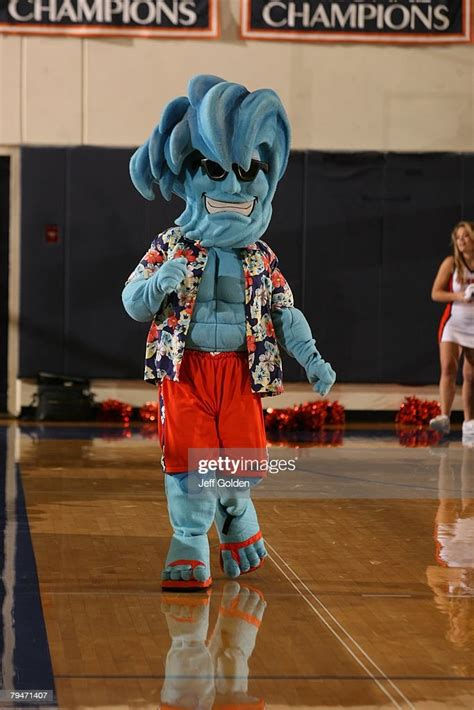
(212, 406)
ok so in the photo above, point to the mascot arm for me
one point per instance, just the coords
(294, 335)
(154, 277)
(141, 299)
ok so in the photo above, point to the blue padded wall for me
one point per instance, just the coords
(359, 237)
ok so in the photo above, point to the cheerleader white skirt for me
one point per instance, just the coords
(457, 325)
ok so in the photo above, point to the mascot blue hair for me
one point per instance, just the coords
(228, 125)
(220, 309)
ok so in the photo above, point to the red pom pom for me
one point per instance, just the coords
(112, 410)
(303, 418)
(149, 412)
(417, 412)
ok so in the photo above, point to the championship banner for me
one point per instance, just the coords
(388, 21)
(111, 18)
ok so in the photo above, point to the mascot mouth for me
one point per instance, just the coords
(216, 206)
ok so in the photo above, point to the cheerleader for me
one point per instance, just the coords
(454, 285)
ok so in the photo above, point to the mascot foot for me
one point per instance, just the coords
(187, 565)
(242, 549)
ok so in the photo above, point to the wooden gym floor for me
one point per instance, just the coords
(366, 600)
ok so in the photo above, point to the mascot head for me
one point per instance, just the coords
(222, 149)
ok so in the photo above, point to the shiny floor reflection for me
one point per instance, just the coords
(366, 600)
(452, 577)
(203, 670)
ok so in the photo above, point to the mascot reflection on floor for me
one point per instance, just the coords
(220, 308)
(211, 674)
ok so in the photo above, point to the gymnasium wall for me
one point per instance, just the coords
(359, 237)
(375, 183)
(109, 92)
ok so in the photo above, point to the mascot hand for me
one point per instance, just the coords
(469, 293)
(171, 274)
(321, 375)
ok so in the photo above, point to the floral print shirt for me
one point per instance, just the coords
(265, 290)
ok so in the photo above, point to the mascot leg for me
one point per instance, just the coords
(242, 549)
(191, 514)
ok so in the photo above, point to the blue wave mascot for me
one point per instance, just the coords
(219, 308)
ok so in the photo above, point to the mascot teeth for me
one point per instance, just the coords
(213, 206)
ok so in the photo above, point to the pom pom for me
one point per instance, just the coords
(417, 412)
(149, 412)
(112, 410)
(293, 423)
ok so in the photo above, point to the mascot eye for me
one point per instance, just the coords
(252, 172)
(217, 172)
(213, 170)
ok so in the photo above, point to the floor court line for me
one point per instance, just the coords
(373, 677)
